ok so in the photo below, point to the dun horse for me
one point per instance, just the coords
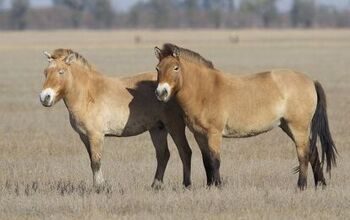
(217, 105)
(102, 106)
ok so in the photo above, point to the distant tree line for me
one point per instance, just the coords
(99, 14)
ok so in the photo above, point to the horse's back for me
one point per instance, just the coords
(259, 101)
(286, 82)
(140, 77)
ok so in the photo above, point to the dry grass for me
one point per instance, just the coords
(45, 170)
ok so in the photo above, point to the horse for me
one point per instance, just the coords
(216, 105)
(100, 106)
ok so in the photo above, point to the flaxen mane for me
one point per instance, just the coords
(169, 49)
(79, 59)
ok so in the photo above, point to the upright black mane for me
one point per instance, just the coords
(169, 49)
(79, 59)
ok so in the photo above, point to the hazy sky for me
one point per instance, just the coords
(125, 4)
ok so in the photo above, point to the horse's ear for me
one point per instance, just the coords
(176, 52)
(48, 56)
(158, 53)
(70, 59)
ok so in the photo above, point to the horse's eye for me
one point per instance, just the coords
(176, 68)
(61, 72)
(157, 68)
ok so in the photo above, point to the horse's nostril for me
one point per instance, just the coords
(47, 98)
(161, 93)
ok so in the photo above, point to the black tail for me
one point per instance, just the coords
(320, 127)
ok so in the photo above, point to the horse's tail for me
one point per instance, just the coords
(320, 127)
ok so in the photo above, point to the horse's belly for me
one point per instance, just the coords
(236, 131)
(129, 127)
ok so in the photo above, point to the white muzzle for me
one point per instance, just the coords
(163, 92)
(47, 97)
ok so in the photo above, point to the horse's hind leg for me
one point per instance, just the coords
(300, 135)
(317, 168)
(313, 155)
(302, 146)
(159, 138)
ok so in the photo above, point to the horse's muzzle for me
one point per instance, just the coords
(163, 92)
(47, 97)
(161, 95)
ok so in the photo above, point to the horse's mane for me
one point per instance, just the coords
(78, 58)
(169, 49)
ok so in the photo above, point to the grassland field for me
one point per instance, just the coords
(44, 167)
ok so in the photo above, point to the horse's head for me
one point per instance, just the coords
(169, 75)
(57, 79)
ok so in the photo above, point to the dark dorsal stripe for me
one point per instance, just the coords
(168, 50)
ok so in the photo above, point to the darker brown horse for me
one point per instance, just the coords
(217, 104)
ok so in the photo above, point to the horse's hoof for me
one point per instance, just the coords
(302, 185)
(157, 184)
(322, 184)
(187, 186)
(101, 187)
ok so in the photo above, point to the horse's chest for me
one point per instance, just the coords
(195, 124)
(77, 124)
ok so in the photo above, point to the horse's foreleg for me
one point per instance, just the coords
(159, 139)
(94, 144)
(176, 129)
(210, 148)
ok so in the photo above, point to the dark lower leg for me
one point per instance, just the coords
(212, 168)
(302, 181)
(162, 161)
(185, 153)
(186, 162)
(159, 139)
(317, 168)
(303, 164)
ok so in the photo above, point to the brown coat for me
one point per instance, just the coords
(216, 104)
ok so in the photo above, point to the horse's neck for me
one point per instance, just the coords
(194, 78)
(81, 90)
(200, 84)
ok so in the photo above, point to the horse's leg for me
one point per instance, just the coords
(314, 158)
(94, 144)
(317, 168)
(159, 139)
(210, 148)
(176, 128)
(300, 135)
